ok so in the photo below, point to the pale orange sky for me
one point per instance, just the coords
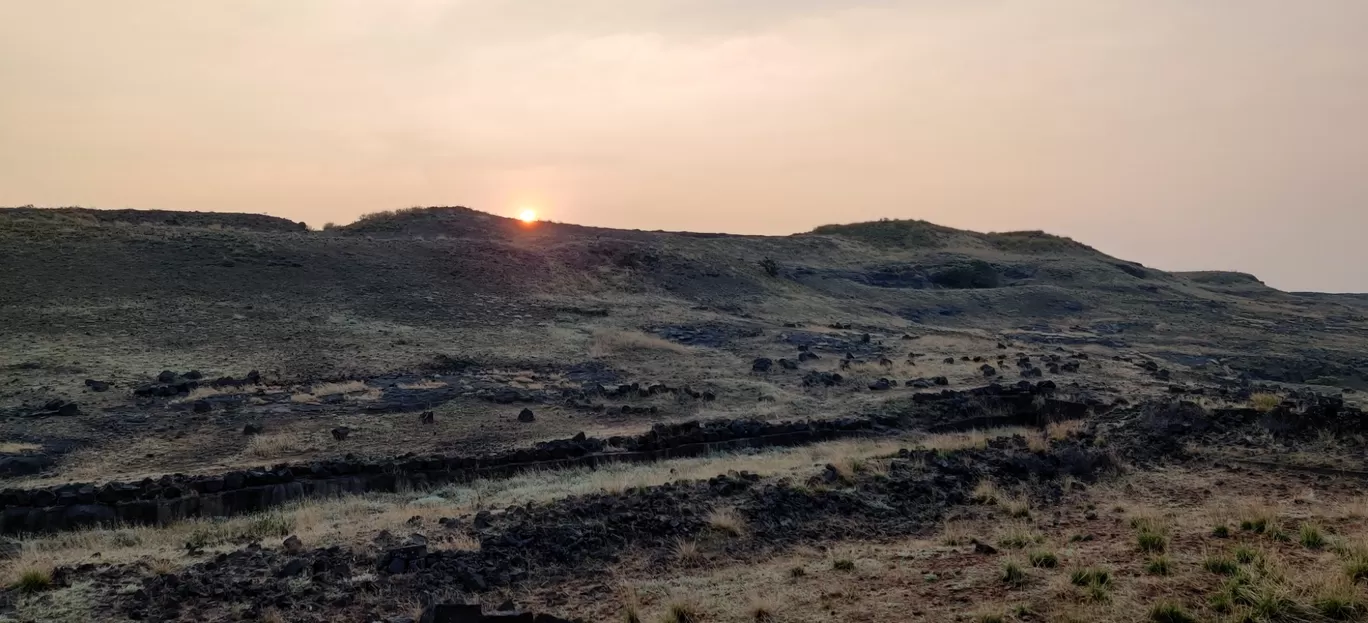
(1215, 134)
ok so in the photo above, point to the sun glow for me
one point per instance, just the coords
(527, 215)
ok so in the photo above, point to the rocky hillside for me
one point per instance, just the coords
(102, 282)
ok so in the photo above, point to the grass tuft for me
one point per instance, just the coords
(1159, 565)
(1013, 574)
(1043, 559)
(1220, 565)
(1169, 612)
(1311, 536)
(1090, 576)
(34, 580)
(843, 564)
(682, 612)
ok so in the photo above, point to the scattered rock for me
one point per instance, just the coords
(988, 370)
(253, 429)
(526, 415)
(292, 545)
(166, 376)
(762, 364)
(340, 433)
(788, 364)
(97, 386)
(202, 406)
(881, 384)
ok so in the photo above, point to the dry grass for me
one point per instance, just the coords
(423, 384)
(16, 447)
(354, 520)
(609, 342)
(1059, 431)
(950, 442)
(351, 390)
(727, 521)
(279, 445)
(1265, 402)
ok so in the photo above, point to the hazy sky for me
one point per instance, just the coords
(1185, 134)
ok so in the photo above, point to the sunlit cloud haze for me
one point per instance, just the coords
(1219, 134)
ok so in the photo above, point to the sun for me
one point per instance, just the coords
(527, 215)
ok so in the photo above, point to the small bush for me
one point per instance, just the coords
(1013, 574)
(797, 572)
(1220, 565)
(991, 618)
(770, 267)
(1159, 565)
(1221, 532)
(1311, 536)
(34, 581)
(843, 564)
(1169, 612)
(1043, 559)
(1245, 554)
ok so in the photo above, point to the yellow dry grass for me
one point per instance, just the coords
(15, 447)
(608, 342)
(355, 520)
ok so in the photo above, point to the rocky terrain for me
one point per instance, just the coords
(442, 415)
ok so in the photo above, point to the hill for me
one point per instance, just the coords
(227, 416)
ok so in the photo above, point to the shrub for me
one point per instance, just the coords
(797, 572)
(1245, 554)
(1169, 612)
(770, 267)
(843, 564)
(1221, 532)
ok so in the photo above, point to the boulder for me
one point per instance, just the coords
(193, 375)
(762, 364)
(526, 415)
(202, 406)
(881, 384)
(340, 433)
(166, 376)
(788, 364)
(253, 429)
(97, 386)
(988, 370)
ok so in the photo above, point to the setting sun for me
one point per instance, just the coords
(527, 215)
